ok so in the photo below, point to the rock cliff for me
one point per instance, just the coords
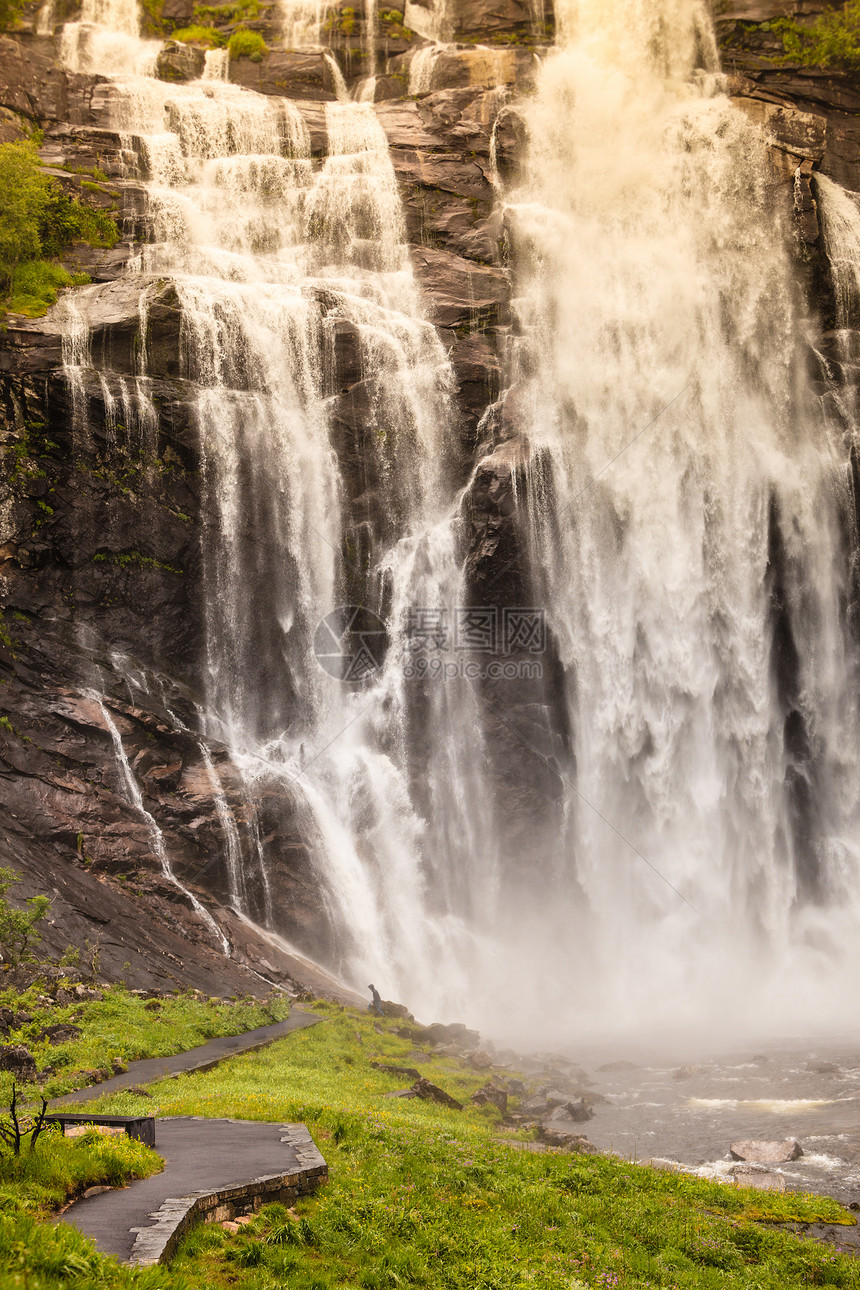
(102, 508)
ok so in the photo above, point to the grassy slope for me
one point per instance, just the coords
(126, 1027)
(423, 1196)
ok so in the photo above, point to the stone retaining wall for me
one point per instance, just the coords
(156, 1243)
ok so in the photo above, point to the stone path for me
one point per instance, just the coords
(195, 1059)
(213, 1168)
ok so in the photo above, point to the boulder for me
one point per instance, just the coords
(685, 1072)
(481, 1061)
(823, 1068)
(759, 1179)
(390, 1009)
(767, 1153)
(613, 1067)
(556, 1135)
(180, 62)
(18, 1061)
(570, 1113)
(61, 1034)
(433, 1093)
(489, 1095)
(407, 1071)
(456, 1033)
(535, 1105)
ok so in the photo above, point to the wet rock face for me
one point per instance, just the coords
(103, 511)
(180, 62)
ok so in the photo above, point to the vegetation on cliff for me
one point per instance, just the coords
(10, 12)
(38, 222)
(832, 40)
(247, 44)
(19, 931)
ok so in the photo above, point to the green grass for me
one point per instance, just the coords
(247, 44)
(38, 221)
(36, 284)
(207, 36)
(122, 1027)
(426, 1197)
(231, 11)
(34, 1255)
(37, 1183)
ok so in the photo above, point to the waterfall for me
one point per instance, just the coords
(840, 219)
(421, 69)
(273, 256)
(233, 847)
(681, 503)
(135, 798)
(685, 509)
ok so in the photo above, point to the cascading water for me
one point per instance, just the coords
(692, 586)
(271, 254)
(135, 798)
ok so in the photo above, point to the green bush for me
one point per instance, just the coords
(10, 12)
(26, 197)
(832, 40)
(38, 221)
(199, 36)
(232, 11)
(247, 44)
(34, 286)
(18, 932)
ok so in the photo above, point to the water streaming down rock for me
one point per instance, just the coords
(685, 516)
(275, 261)
(704, 706)
(840, 218)
(133, 793)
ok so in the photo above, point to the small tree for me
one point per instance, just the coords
(13, 1131)
(18, 931)
(26, 193)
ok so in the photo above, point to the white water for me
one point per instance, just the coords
(840, 220)
(653, 287)
(133, 793)
(655, 290)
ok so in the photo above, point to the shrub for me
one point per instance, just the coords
(18, 926)
(10, 12)
(34, 286)
(26, 196)
(199, 36)
(247, 44)
(37, 222)
(232, 11)
(833, 39)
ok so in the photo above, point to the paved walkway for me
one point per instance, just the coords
(200, 1156)
(195, 1059)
